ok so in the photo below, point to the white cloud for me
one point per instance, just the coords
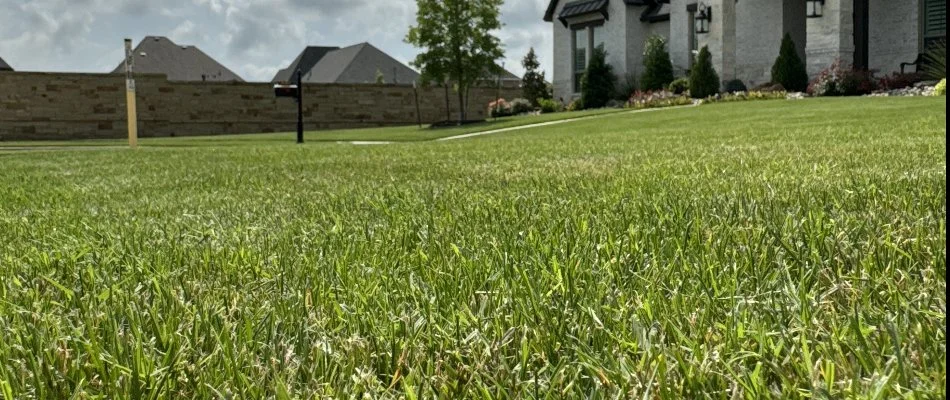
(253, 37)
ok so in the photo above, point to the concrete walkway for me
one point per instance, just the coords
(537, 125)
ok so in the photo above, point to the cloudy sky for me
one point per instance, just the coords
(254, 38)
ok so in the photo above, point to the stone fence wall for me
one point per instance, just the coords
(62, 106)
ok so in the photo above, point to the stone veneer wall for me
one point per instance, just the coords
(61, 106)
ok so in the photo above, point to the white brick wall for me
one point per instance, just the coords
(893, 34)
(831, 36)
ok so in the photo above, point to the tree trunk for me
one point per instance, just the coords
(448, 108)
(461, 106)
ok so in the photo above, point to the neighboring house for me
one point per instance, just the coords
(743, 36)
(159, 55)
(4, 66)
(354, 64)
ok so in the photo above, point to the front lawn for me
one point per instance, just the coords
(777, 249)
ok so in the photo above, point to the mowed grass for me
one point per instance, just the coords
(780, 249)
(412, 133)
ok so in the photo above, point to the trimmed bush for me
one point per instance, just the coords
(576, 105)
(857, 83)
(521, 106)
(899, 81)
(679, 86)
(658, 99)
(789, 70)
(549, 106)
(838, 80)
(941, 88)
(734, 86)
(658, 72)
(703, 79)
(599, 82)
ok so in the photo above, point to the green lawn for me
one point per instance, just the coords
(775, 249)
(393, 134)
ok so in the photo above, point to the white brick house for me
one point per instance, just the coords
(743, 36)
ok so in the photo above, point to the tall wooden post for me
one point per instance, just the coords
(130, 95)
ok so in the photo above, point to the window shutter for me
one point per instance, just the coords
(935, 18)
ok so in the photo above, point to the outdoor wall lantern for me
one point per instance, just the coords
(703, 18)
(815, 8)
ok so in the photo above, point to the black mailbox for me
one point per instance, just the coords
(285, 90)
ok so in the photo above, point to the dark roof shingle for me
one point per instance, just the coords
(305, 62)
(359, 64)
(159, 55)
(4, 66)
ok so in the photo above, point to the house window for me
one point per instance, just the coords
(934, 21)
(581, 43)
(586, 38)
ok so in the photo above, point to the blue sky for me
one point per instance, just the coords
(254, 38)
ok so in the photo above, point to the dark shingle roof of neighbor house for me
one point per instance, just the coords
(159, 55)
(4, 66)
(358, 64)
(652, 14)
(305, 62)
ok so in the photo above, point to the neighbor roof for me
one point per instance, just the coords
(652, 14)
(4, 66)
(159, 55)
(359, 64)
(309, 57)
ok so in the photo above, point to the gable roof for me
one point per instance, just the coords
(652, 14)
(358, 64)
(159, 55)
(4, 66)
(309, 57)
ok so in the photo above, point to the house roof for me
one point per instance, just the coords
(4, 66)
(359, 64)
(309, 57)
(581, 7)
(159, 55)
(652, 14)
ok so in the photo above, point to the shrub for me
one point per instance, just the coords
(746, 96)
(661, 98)
(679, 86)
(900, 81)
(941, 88)
(857, 83)
(838, 80)
(533, 86)
(499, 108)
(599, 82)
(935, 60)
(521, 106)
(703, 79)
(576, 105)
(549, 106)
(658, 72)
(734, 86)
(789, 70)
(628, 85)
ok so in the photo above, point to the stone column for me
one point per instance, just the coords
(831, 37)
(721, 38)
(680, 31)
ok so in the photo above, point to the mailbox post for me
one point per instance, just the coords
(130, 95)
(295, 91)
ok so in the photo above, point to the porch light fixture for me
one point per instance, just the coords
(703, 18)
(815, 8)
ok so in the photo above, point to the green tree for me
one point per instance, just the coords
(599, 82)
(703, 79)
(789, 70)
(533, 86)
(658, 72)
(457, 42)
